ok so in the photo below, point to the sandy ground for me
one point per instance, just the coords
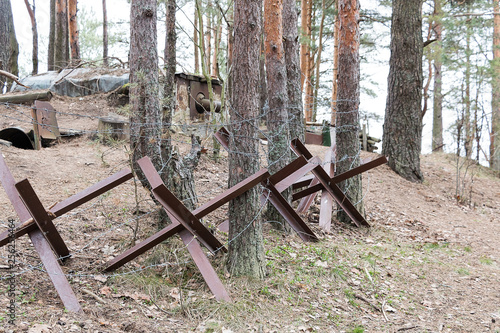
(429, 263)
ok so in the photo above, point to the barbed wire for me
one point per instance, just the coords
(24, 117)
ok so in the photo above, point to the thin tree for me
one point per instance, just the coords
(73, 32)
(146, 119)
(104, 34)
(335, 68)
(9, 49)
(402, 124)
(34, 52)
(52, 36)
(277, 117)
(292, 59)
(196, 42)
(495, 100)
(437, 119)
(246, 250)
(347, 121)
(61, 41)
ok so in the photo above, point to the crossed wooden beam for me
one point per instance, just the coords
(36, 221)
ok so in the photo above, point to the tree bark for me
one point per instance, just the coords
(61, 41)
(52, 36)
(495, 100)
(146, 119)
(104, 34)
(9, 49)
(277, 117)
(292, 59)
(402, 124)
(195, 42)
(246, 250)
(437, 119)
(73, 32)
(34, 53)
(335, 68)
(347, 131)
(469, 135)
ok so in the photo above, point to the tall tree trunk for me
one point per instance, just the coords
(335, 67)
(61, 41)
(347, 131)
(263, 91)
(104, 34)
(277, 117)
(196, 42)
(208, 36)
(469, 136)
(52, 36)
(292, 59)
(34, 53)
(318, 59)
(246, 250)
(495, 100)
(217, 40)
(402, 138)
(73, 32)
(437, 119)
(178, 170)
(9, 49)
(304, 45)
(168, 103)
(146, 119)
(309, 65)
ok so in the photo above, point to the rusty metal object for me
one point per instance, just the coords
(143, 246)
(222, 135)
(288, 169)
(47, 121)
(174, 206)
(290, 215)
(314, 139)
(204, 266)
(326, 205)
(41, 217)
(343, 176)
(330, 186)
(91, 192)
(72, 202)
(40, 244)
(231, 193)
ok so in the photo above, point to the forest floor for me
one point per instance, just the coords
(429, 263)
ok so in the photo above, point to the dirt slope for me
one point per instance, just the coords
(428, 264)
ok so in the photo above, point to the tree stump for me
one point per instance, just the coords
(113, 128)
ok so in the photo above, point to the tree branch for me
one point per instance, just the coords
(13, 78)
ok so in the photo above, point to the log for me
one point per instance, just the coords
(26, 98)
